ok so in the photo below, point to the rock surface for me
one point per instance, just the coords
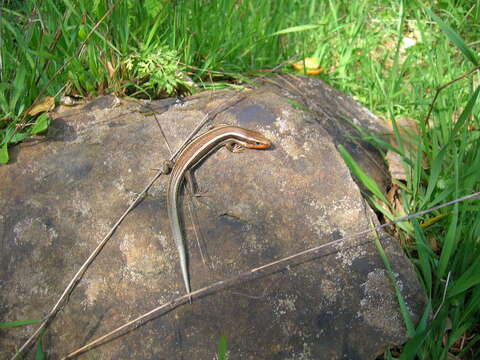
(59, 197)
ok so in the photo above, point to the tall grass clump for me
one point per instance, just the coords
(441, 162)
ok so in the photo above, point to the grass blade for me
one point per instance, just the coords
(39, 354)
(41, 124)
(18, 88)
(401, 301)
(11, 324)
(4, 154)
(296, 29)
(465, 115)
(449, 243)
(424, 254)
(435, 172)
(412, 347)
(222, 348)
(467, 280)
(357, 171)
(453, 36)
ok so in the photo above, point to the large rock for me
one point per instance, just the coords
(59, 197)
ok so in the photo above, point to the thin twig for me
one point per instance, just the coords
(252, 71)
(247, 275)
(54, 43)
(439, 89)
(84, 267)
(158, 122)
(207, 70)
(444, 296)
(263, 270)
(193, 216)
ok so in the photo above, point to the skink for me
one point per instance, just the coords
(235, 138)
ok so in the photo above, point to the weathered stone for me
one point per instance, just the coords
(60, 197)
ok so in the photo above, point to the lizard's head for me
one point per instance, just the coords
(255, 140)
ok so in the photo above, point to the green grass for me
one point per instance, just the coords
(446, 166)
(88, 48)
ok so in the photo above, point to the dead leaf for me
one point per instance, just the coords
(456, 115)
(434, 244)
(407, 128)
(392, 193)
(110, 68)
(410, 137)
(395, 165)
(47, 104)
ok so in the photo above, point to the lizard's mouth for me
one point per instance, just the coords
(259, 145)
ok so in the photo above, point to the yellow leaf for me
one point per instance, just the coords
(47, 104)
(433, 220)
(309, 65)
